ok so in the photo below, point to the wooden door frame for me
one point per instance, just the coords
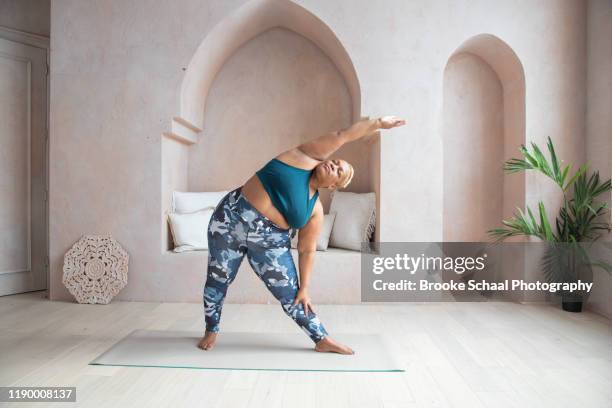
(39, 41)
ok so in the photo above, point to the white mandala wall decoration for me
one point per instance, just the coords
(95, 269)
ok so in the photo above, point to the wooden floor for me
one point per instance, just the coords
(455, 355)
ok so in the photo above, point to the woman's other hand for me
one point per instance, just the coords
(303, 297)
(388, 122)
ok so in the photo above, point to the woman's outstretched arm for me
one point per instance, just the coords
(324, 146)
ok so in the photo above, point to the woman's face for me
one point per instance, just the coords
(331, 171)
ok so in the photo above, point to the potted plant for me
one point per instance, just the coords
(578, 223)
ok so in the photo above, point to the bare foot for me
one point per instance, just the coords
(208, 341)
(327, 345)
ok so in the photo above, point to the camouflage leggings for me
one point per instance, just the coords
(237, 229)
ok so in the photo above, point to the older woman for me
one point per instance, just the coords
(256, 219)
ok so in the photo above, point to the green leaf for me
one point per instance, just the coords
(564, 175)
(555, 165)
(544, 222)
(580, 171)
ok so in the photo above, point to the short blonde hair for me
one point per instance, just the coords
(348, 176)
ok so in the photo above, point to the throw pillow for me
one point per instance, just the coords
(188, 202)
(355, 219)
(190, 231)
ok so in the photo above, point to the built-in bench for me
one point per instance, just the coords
(335, 278)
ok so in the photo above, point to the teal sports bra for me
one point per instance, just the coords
(288, 189)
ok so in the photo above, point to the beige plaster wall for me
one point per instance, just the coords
(117, 69)
(32, 16)
(548, 38)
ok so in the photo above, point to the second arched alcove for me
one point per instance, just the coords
(266, 78)
(483, 126)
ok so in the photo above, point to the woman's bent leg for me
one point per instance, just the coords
(277, 270)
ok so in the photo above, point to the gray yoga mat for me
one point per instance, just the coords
(247, 351)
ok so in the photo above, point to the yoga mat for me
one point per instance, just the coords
(247, 351)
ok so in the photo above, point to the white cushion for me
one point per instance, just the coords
(323, 241)
(188, 202)
(355, 219)
(190, 231)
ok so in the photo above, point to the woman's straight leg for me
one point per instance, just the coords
(226, 250)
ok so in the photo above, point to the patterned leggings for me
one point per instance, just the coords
(237, 229)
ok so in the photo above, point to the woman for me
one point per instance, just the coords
(256, 218)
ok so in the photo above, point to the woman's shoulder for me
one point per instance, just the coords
(296, 158)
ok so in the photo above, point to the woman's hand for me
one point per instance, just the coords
(303, 297)
(388, 122)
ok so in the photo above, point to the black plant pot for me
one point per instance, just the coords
(574, 306)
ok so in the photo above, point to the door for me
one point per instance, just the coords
(23, 164)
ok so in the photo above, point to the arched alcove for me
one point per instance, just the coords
(275, 92)
(483, 126)
(195, 151)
